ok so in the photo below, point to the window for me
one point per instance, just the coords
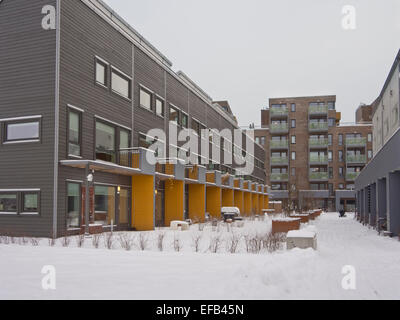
(293, 155)
(341, 172)
(330, 156)
(101, 72)
(340, 156)
(331, 192)
(160, 107)
(293, 107)
(196, 127)
(22, 131)
(263, 141)
(330, 139)
(121, 84)
(340, 139)
(105, 205)
(8, 203)
(331, 105)
(369, 137)
(370, 154)
(293, 139)
(74, 134)
(105, 142)
(185, 120)
(330, 173)
(293, 123)
(341, 186)
(30, 202)
(145, 99)
(174, 115)
(331, 122)
(73, 205)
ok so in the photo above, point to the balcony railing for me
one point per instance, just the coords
(356, 159)
(279, 177)
(317, 110)
(279, 127)
(318, 126)
(279, 112)
(319, 176)
(356, 142)
(318, 159)
(352, 176)
(318, 143)
(279, 144)
(279, 161)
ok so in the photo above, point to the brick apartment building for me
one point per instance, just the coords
(312, 159)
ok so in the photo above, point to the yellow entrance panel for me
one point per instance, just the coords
(266, 202)
(197, 202)
(214, 201)
(239, 200)
(247, 203)
(254, 209)
(174, 206)
(228, 198)
(260, 203)
(143, 202)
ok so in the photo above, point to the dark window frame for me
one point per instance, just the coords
(157, 98)
(15, 213)
(151, 94)
(124, 76)
(80, 113)
(80, 204)
(20, 203)
(5, 125)
(106, 65)
(178, 111)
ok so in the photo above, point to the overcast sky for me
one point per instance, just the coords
(249, 51)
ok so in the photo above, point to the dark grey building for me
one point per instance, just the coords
(378, 185)
(79, 91)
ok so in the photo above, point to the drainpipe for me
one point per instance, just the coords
(87, 195)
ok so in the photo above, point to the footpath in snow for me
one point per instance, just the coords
(87, 273)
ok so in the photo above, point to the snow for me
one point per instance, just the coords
(286, 219)
(301, 234)
(88, 273)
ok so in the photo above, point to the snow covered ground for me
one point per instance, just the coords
(88, 273)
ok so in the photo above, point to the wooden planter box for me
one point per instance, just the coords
(304, 218)
(93, 229)
(285, 225)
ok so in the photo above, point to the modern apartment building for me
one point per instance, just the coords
(312, 159)
(80, 91)
(378, 185)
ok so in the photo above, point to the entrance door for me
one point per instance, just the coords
(124, 207)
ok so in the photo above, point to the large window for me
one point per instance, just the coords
(185, 120)
(120, 84)
(8, 203)
(105, 142)
(20, 202)
(22, 131)
(73, 205)
(74, 133)
(101, 72)
(174, 115)
(145, 99)
(160, 107)
(105, 205)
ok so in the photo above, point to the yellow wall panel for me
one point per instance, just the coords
(143, 202)
(174, 205)
(214, 201)
(197, 202)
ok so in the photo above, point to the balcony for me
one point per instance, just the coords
(318, 110)
(318, 159)
(277, 177)
(318, 143)
(352, 176)
(279, 161)
(281, 112)
(357, 159)
(279, 128)
(318, 126)
(319, 176)
(356, 142)
(279, 144)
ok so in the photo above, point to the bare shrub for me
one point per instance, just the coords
(126, 241)
(196, 240)
(80, 240)
(201, 226)
(65, 242)
(177, 244)
(35, 242)
(253, 243)
(23, 241)
(233, 242)
(273, 241)
(143, 241)
(160, 241)
(13, 240)
(96, 240)
(52, 242)
(215, 243)
(5, 240)
(109, 240)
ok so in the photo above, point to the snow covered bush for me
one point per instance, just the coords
(96, 240)
(196, 240)
(65, 242)
(80, 241)
(160, 241)
(126, 241)
(35, 242)
(233, 242)
(143, 241)
(177, 244)
(52, 242)
(109, 240)
(215, 243)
